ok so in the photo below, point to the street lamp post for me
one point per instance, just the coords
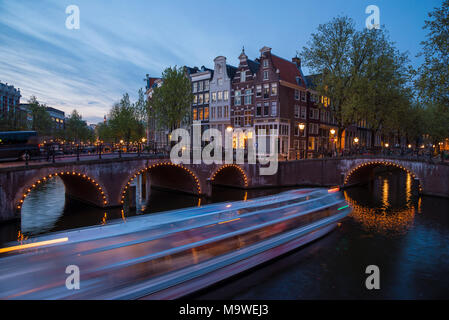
(332, 132)
(356, 143)
(301, 127)
(120, 149)
(142, 144)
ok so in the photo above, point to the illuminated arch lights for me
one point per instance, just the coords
(160, 164)
(27, 191)
(245, 177)
(383, 163)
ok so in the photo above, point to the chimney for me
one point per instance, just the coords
(297, 61)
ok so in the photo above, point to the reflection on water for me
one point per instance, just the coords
(394, 214)
(43, 207)
(405, 235)
(46, 209)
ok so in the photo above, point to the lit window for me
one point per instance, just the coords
(195, 114)
(274, 89)
(247, 118)
(206, 113)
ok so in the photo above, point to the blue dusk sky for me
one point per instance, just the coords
(120, 41)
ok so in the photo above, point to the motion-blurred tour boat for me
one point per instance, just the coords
(170, 254)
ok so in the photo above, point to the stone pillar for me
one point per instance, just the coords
(138, 192)
(147, 186)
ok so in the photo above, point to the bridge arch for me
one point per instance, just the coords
(230, 175)
(364, 170)
(78, 185)
(174, 176)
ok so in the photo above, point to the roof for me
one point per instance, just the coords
(191, 70)
(312, 80)
(288, 71)
(231, 70)
(253, 65)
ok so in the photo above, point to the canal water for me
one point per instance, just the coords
(405, 235)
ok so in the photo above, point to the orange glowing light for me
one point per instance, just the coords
(33, 245)
(229, 221)
(333, 190)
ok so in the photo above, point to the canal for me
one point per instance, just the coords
(405, 235)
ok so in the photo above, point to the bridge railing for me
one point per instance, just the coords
(50, 155)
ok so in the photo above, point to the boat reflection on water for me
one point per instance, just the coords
(382, 216)
(170, 254)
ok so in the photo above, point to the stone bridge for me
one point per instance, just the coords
(104, 183)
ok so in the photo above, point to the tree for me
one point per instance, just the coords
(172, 100)
(104, 132)
(433, 81)
(13, 120)
(359, 71)
(76, 128)
(125, 121)
(41, 122)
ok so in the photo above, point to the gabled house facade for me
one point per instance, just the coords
(242, 97)
(220, 95)
(201, 96)
(280, 92)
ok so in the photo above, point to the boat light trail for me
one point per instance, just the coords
(33, 245)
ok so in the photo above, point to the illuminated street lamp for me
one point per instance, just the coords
(301, 126)
(229, 129)
(332, 131)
